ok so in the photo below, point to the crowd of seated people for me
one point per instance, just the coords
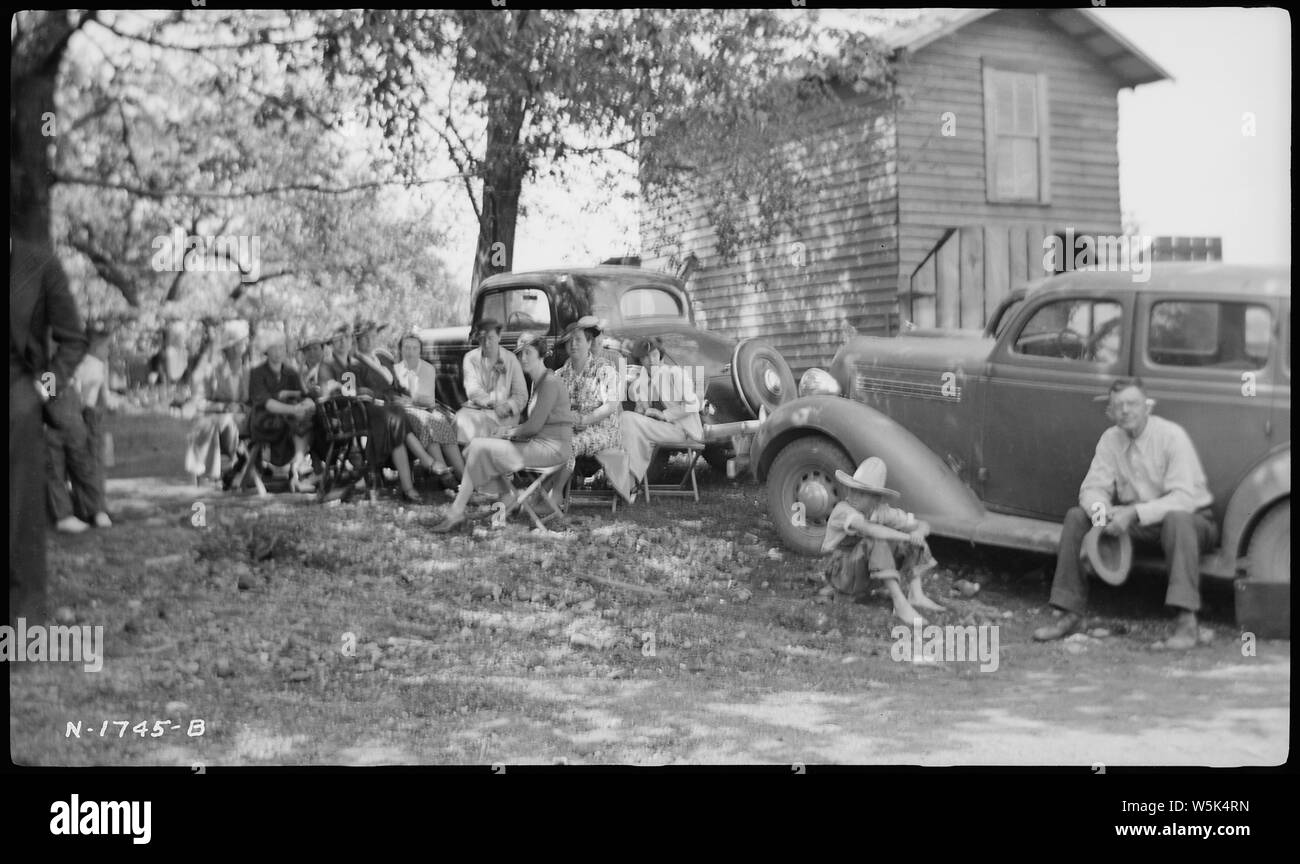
(519, 414)
(575, 412)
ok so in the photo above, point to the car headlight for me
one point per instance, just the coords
(818, 382)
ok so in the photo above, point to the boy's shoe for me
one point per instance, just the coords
(102, 520)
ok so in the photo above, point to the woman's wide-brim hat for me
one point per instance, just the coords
(268, 339)
(537, 340)
(1109, 555)
(308, 340)
(368, 327)
(586, 322)
(231, 334)
(870, 477)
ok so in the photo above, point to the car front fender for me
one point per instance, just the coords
(1267, 482)
(929, 487)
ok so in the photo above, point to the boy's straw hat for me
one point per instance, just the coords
(870, 477)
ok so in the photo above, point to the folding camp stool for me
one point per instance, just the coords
(687, 486)
(577, 494)
(252, 455)
(523, 496)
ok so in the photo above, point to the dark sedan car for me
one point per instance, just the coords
(740, 378)
(989, 435)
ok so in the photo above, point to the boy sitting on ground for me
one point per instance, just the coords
(869, 539)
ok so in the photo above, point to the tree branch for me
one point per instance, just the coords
(165, 194)
(107, 270)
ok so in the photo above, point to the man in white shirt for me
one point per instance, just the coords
(1145, 479)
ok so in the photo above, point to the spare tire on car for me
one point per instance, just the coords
(761, 376)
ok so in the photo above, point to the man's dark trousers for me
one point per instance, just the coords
(1183, 536)
(72, 457)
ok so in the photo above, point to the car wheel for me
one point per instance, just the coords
(761, 376)
(801, 488)
(1268, 555)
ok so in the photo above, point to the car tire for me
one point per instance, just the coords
(1268, 554)
(813, 459)
(750, 364)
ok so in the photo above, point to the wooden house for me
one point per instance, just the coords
(999, 131)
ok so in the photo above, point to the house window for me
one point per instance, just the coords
(1016, 136)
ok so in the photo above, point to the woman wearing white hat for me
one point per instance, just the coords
(595, 397)
(676, 422)
(281, 418)
(221, 398)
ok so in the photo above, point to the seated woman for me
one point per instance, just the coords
(376, 383)
(494, 386)
(340, 354)
(543, 440)
(221, 399)
(433, 428)
(595, 394)
(676, 422)
(281, 419)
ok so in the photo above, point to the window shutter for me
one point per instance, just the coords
(990, 136)
(1044, 143)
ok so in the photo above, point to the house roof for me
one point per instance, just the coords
(910, 30)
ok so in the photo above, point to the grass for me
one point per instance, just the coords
(350, 634)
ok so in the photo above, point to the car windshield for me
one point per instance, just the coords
(519, 309)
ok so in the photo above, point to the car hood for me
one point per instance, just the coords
(947, 353)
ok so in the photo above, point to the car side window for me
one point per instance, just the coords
(518, 309)
(1087, 331)
(1209, 334)
(648, 303)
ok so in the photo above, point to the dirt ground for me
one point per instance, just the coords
(349, 634)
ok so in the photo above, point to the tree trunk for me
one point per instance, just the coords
(503, 174)
(34, 69)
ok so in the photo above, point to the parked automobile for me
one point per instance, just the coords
(741, 378)
(988, 436)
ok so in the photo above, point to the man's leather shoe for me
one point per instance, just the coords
(1185, 637)
(1069, 623)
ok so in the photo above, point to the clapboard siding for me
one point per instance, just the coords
(882, 186)
(803, 298)
(942, 179)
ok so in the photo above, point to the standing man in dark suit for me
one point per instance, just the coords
(40, 305)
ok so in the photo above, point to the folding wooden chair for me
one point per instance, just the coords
(687, 486)
(345, 423)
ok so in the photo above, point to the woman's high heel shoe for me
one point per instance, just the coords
(451, 523)
(436, 469)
